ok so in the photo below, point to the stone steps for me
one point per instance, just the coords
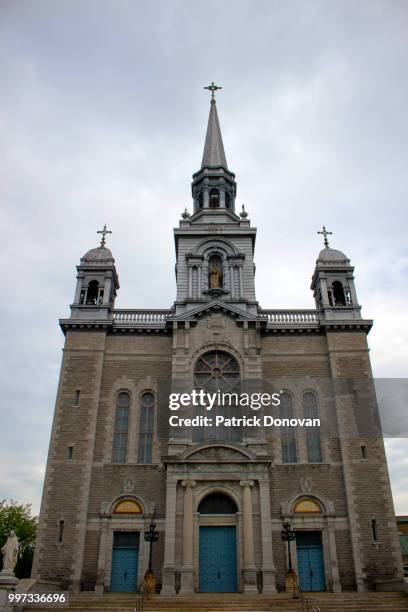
(235, 602)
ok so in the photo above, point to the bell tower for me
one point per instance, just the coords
(97, 283)
(214, 185)
(333, 284)
(214, 245)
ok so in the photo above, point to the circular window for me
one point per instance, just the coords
(216, 370)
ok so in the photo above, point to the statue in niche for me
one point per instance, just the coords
(215, 275)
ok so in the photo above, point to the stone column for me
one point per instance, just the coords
(190, 281)
(78, 288)
(248, 530)
(206, 199)
(199, 268)
(334, 565)
(232, 289)
(241, 282)
(325, 295)
(222, 198)
(187, 570)
(100, 575)
(168, 572)
(107, 290)
(268, 567)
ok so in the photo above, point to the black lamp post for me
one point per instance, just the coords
(288, 535)
(151, 535)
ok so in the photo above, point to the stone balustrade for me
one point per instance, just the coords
(141, 316)
(291, 317)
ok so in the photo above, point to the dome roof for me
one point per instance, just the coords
(99, 254)
(331, 255)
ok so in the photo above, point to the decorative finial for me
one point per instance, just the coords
(243, 214)
(325, 233)
(104, 231)
(213, 88)
(185, 214)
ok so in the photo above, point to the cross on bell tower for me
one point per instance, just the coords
(103, 231)
(325, 233)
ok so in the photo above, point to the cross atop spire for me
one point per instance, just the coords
(104, 231)
(213, 88)
(214, 154)
(325, 233)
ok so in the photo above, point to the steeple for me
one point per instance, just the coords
(214, 186)
(214, 154)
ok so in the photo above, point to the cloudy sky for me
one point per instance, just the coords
(103, 116)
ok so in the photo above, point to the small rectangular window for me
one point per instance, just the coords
(364, 451)
(61, 526)
(70, 452)
(77, 396)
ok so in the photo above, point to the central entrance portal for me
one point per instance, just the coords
(217, 544)
(218, 560)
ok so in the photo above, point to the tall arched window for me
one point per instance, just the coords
(288, 436)
(311, 411)
(338, 294)
(94, 294)
(147, 404)
(218, 371)
(120, 434)
(214, 198)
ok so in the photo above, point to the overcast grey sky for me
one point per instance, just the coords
(103, 116)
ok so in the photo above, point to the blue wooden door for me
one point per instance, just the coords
(125, 558)
(218, 560)
(310, 561)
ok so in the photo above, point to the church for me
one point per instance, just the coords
(218, 497)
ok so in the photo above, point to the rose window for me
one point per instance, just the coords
(216, 370)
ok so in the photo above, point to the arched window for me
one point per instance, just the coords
(288, 436)
(338, 294)
(201, 200)
(147, 404)
(218, 371)
(215, 275)
(217, 503)
(311, 411)
(374, 529)
(120, 434)
(214, 198)
(94, 294)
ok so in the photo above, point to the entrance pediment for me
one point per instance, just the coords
(216, 453)
(217, 306)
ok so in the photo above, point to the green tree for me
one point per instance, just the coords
(17, 517)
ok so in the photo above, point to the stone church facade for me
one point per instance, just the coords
(219, 499)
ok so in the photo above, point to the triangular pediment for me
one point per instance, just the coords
(217, 306)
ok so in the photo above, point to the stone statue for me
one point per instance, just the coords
(215, 275)
(10, 553)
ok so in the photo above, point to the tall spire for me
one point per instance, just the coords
(214, 154)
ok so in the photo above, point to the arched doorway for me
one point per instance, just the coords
(217, 544)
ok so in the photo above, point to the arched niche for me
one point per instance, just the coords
(307, 505)
(127, 506)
